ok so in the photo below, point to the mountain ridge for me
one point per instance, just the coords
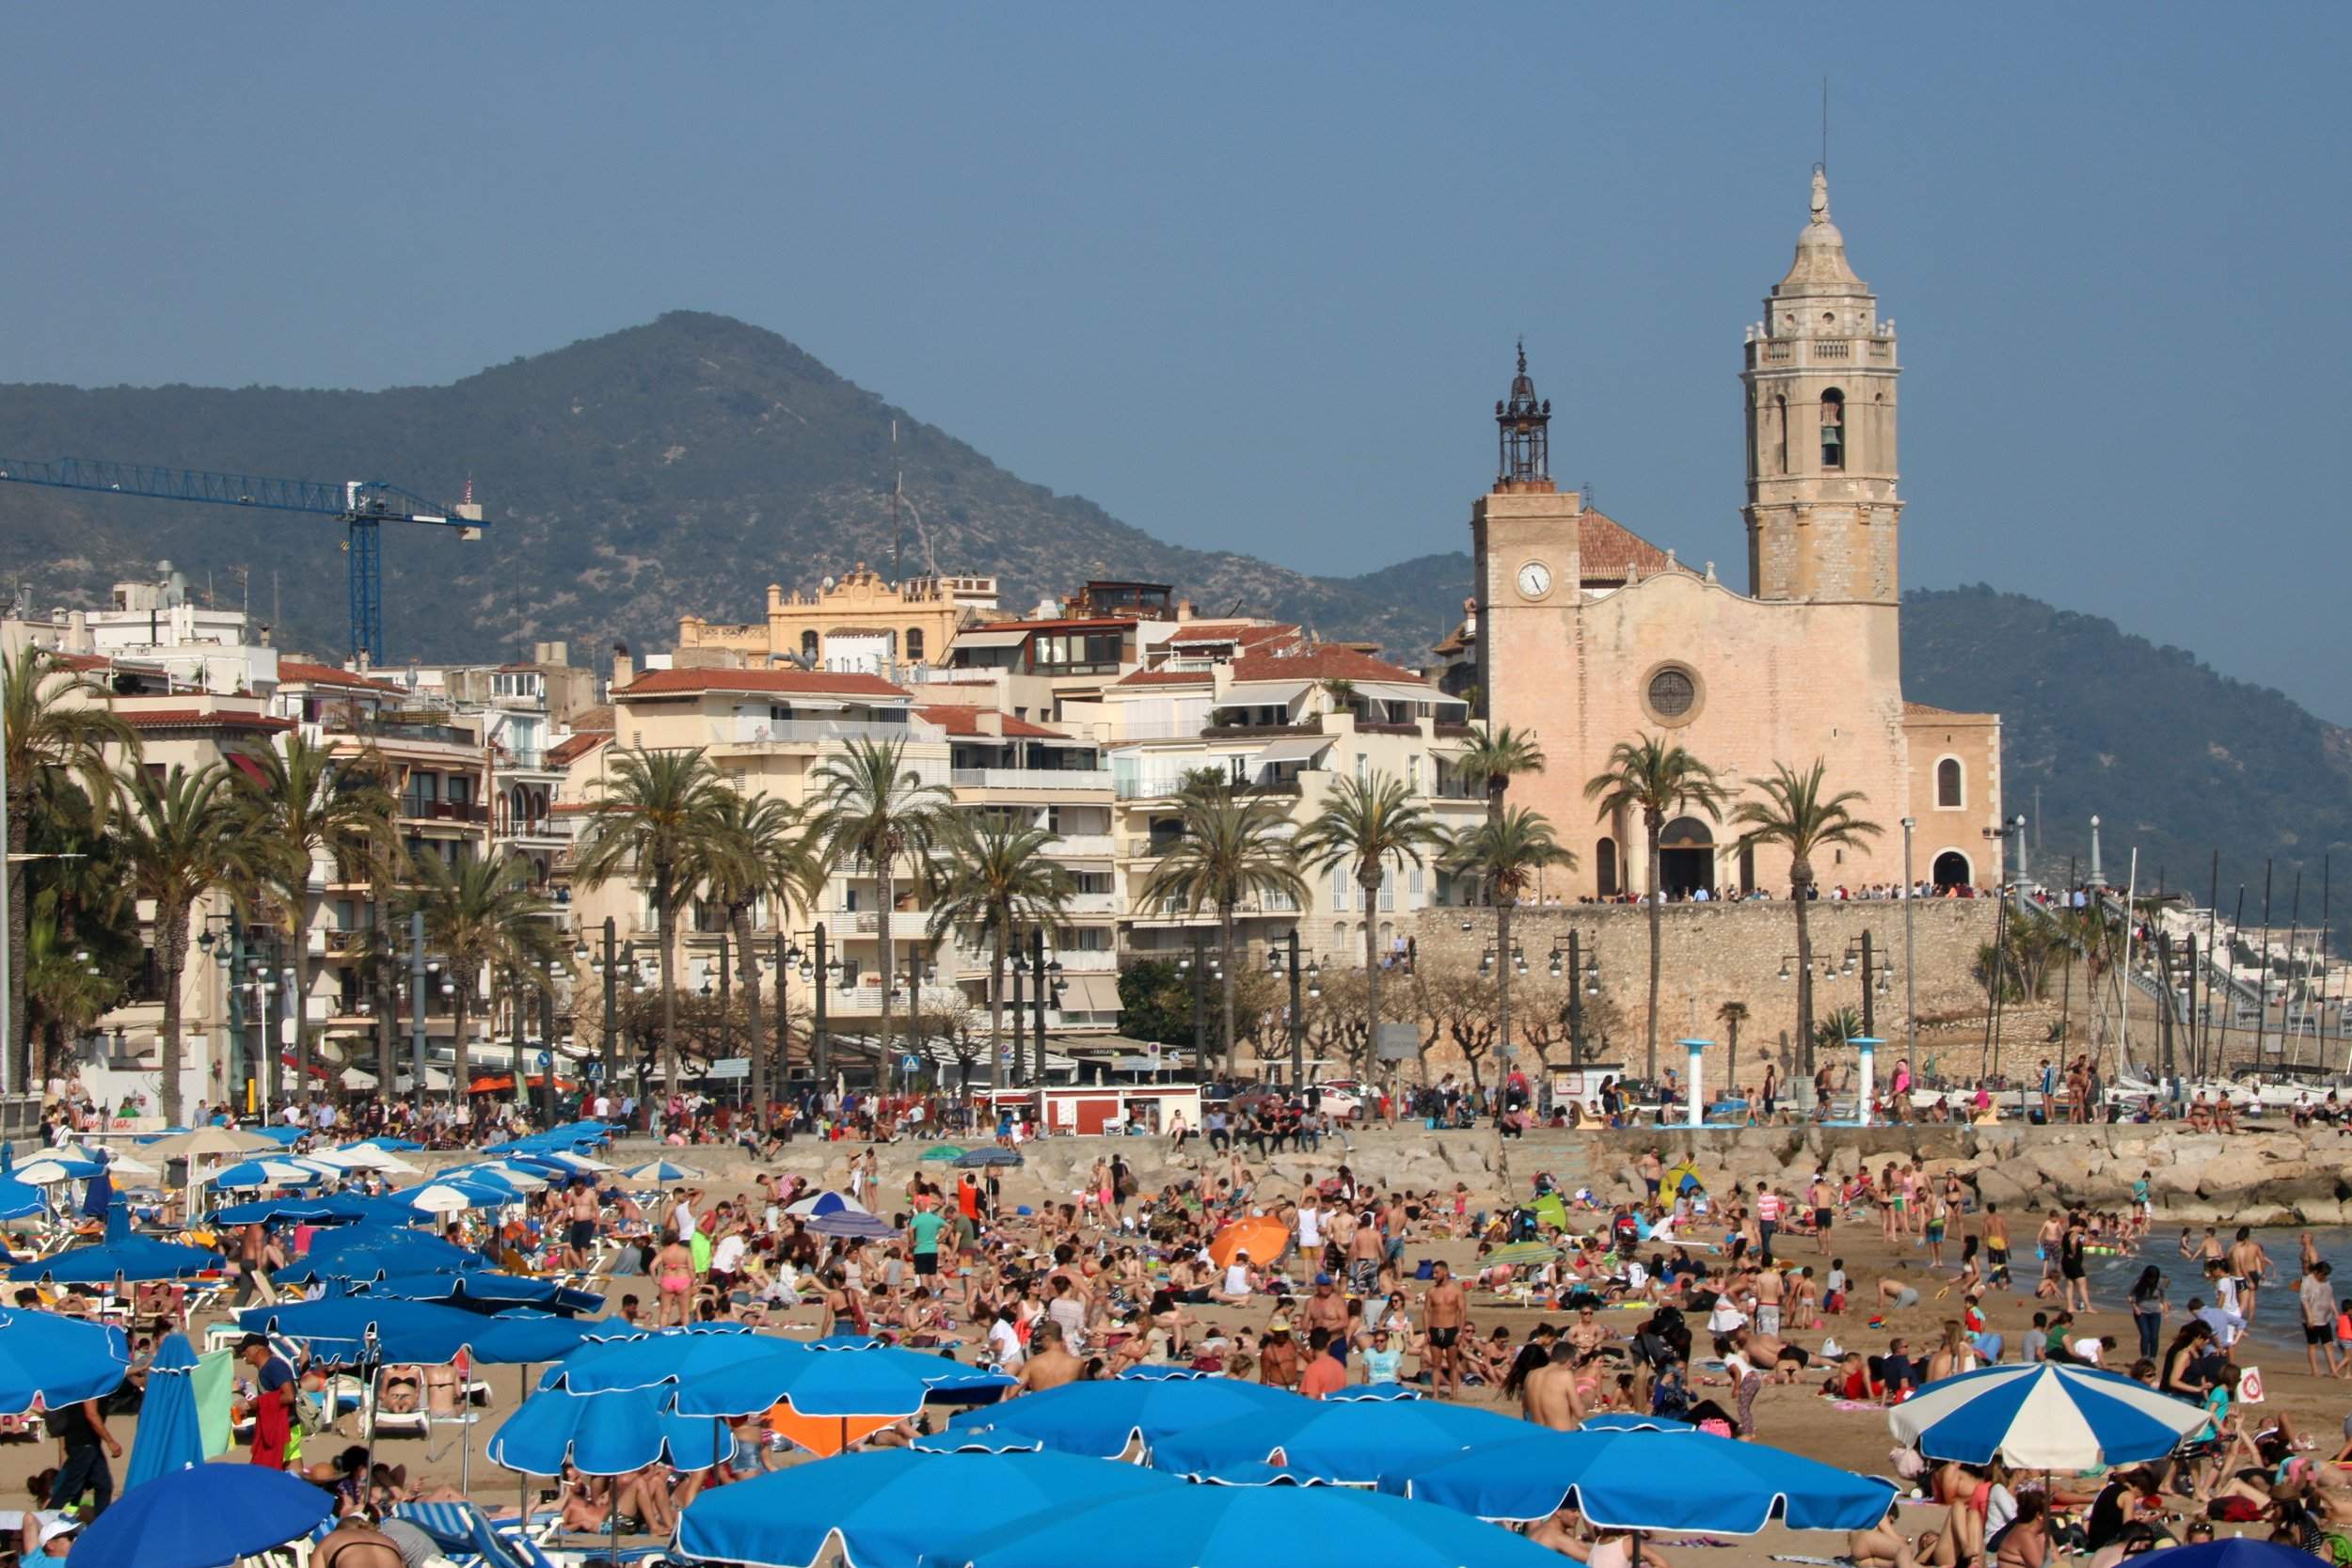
(677, 466)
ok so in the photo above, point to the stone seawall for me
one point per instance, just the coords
(2270, 1178)
(1710, 954)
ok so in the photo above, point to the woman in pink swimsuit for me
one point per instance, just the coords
(673, 1273)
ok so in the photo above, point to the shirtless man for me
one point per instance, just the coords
(1772, 1356)
(1587, 1336)
(1823, 1199)
(1653, 1168)
(1050, 1364)
(1995, 1246)
(2249, 1263)
(1548, 1394)
(1445, 1308)
(579, 1216)
(1769, 1288)
(1328, 1310)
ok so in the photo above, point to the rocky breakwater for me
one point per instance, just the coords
(2282, 1176)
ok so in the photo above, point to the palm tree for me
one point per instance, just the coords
(53, 719)
(1731, 1015)
(481, 915)
(648, 814)
(1367, 824)
(747, 846)
(181, 837)
(1505, 853)
(304, 803)
(1795, 814)
(1657, 780)
(1231, 849)
(1497, 756)
(992, 878)
(882, 810)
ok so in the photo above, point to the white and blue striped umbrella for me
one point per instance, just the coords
(2043, 1417)
(269, 1173)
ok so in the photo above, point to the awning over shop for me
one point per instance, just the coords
(1293, 748)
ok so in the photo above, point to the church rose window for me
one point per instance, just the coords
(1671, 692)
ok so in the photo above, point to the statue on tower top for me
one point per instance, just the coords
(1820, 194)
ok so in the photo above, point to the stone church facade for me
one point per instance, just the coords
(1586, 635)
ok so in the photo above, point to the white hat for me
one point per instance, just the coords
(54, 1527)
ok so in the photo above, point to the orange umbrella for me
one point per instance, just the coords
(824, 1435)
(1263, 1238)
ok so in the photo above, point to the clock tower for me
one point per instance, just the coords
(1525, 539)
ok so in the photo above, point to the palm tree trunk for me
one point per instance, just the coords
(379, 980)
(1503, 992)
(1731, 1058)
(461, 1059)
(665, 933)
(522, 1049)
(298, 1006)
(171, 941)
(1372, 971)
(1799, 884)
(1225, 934)
(755, 1046)
(1651, 821)
(881, 937)
(995, 1005)
(13, 1050)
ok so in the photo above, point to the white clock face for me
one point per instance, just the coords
(1534, 579)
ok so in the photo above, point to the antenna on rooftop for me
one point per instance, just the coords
(1826, 122)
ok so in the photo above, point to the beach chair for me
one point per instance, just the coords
(464, 1535)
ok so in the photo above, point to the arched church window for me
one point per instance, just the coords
(808, 646)
(1833, 429)
(915, 643)
(1948, 784)
(1605, 868)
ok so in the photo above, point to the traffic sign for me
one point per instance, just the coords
(546, 1060)
(731, 1067)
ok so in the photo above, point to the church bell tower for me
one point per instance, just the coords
(1822, 512)
(1528, 567)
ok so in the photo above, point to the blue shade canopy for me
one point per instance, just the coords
(1240, 1527)
(1373, 1393)
(943, 1374)
(818, 1383)
(367, 1251)
(52, 1360)
(1100, 1419)
(1147, 1372)
(980, 1439)
(887, 1506)
(282, 1135)
(1355, 1443)
(324, 1208)
(206, 1517)
(995, 1154)
(2236, 1551)
(122, 1254)
(388, 1144)
(169, 1436)
(19, 1200)
(606, 1434)
(1625, 1421)
(2043, 1417)
(481, 1291)
(337, 1330)
(662, 1355)
(1645, 1481)
(267, 1173)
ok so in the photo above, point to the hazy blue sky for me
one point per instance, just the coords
(1250, 276)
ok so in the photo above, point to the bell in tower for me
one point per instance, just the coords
(1525, 435)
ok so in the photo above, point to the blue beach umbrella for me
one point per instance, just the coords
(2043, 1417)
(980, 1439)
(46, 1359)
(662, 1173)
(266, 1173)
(1258, 1473)
(995, 1154)
(205, 1517)
(644, 1359)
(1373, 1393)
(481, 1291)
(20, 1201)
(885, 1508)
(1352, 1443)
(606, 1434)
(47, 1170)
(1240, 1527)
(324, 1208)
(815, 1383)
(132, 1258)
(283, 1135)
(1660, 1480)
(1147, 1372)
(1100, 1419)
(337, 1328)
(169, 1436)
(2236, 1551)
(366, 1250)
(388, 1144)
(943, 1375)
(1625, 1421)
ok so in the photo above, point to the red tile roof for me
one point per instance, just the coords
(958, 719)
(294, 671)
(1609, 551)
(571, 749)
(1246, 633)
(814, 683)
(191, 717)
(1322, 664)
(1166, 677)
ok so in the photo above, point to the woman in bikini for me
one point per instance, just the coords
(673, 1273)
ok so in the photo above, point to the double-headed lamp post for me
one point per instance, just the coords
(1305, 985)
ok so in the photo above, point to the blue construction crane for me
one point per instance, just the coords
(360, 505)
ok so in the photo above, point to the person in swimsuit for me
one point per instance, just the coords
(674, 1274)
(1444, 1310)
(356, 1542)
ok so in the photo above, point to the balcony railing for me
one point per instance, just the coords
(1089, 960)
(1031, 778)
(1093, 903)
(813, 731)
(444, 810)
(1078, 845)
